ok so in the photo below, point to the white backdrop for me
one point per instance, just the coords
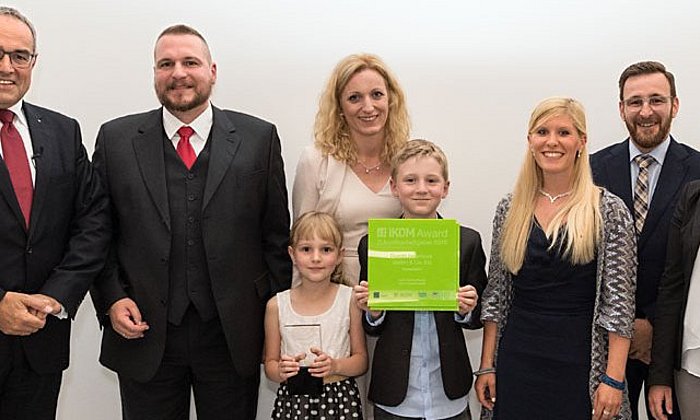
(472, 71)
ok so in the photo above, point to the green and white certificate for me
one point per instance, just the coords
(413, 264)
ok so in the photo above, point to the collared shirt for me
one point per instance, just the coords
(425, 395)
(201, 126)
(20, 123)
(690, 350)
(659, 154)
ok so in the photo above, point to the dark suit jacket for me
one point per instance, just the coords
(683, 242)
(245, 230)
(68, 237)
(392, 355)
(611, 169)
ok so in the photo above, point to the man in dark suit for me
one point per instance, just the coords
(648, 104)
(675, 358)
(54, 232)
(199, 202)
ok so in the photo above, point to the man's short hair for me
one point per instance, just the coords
(647, 67)
(9, 11)
(181, 29)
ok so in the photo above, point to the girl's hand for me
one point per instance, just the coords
(485, 387)
(607, 402)
(323, 365)
(466, 298)
(362, 297)
(289, 365)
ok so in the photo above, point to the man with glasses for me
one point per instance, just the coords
(648, 171)
(54, 232)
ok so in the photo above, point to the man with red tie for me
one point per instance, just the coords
(199, 202)
(54, 232)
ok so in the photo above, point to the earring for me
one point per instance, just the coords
(578, 153)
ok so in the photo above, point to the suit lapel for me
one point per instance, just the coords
(224, 145)
(43, 142)
(148, 147)
(691, 237)
(670, 180)
(617, 172)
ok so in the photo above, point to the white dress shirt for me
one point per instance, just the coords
(201, 126)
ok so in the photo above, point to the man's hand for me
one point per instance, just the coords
(640, 348)
(126, 319)
(22, 314)
(50, 306)
(660, 398)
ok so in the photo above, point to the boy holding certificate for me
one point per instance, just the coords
(421, 367)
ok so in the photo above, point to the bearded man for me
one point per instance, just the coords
(648, 171)
(199, 202)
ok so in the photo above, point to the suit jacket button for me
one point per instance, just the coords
(29, 250)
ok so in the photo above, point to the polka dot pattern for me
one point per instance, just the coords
(339, 401)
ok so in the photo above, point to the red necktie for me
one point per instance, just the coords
(15, 157)
(184, 148)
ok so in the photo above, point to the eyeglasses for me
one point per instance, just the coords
(636, 103)
(20, 59)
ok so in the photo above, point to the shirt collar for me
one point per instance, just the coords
(658, 153)
(201, 125)
(19, 113)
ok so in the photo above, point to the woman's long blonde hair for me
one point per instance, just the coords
(325, 227)
(580, 216)
(331, 132)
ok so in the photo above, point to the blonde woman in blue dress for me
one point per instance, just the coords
(558, 309)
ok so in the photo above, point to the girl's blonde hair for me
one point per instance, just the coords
(580, 217)
(325, 227)
(331, 132)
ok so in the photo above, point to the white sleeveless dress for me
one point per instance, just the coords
(339, 400)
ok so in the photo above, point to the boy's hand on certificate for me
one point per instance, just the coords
(362, 297)
(466, 298)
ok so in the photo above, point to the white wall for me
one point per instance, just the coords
(472, 71)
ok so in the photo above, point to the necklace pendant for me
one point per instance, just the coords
(368, 169)
(553, 198)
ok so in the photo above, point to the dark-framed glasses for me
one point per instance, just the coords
(20, 59)
(635, 103)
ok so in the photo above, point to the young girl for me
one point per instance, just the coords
(339, 353)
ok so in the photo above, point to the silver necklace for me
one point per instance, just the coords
(553, 198)
(369, 169)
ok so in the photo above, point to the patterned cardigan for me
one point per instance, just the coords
(615, 287)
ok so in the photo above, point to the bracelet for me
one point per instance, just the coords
(604, 378)
(484, 371)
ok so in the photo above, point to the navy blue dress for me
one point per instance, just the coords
(544, 353)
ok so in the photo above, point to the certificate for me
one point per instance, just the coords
(413, 264)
